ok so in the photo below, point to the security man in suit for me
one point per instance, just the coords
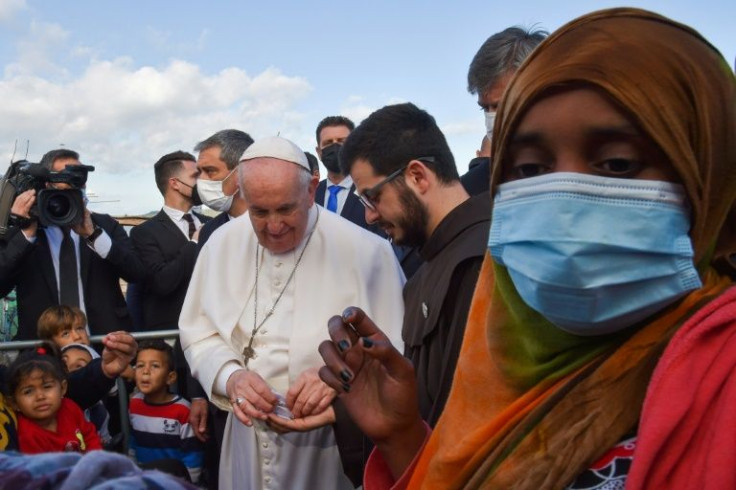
(217, 182)
(167, 243)
(79, 265)
(167, 247)
(336, 192)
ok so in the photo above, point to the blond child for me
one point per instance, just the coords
(63, 325)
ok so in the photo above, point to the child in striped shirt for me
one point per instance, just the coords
(159, 419)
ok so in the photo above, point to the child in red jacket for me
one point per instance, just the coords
(47, 421)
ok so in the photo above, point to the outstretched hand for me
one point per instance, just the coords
(120, 349)
(377, 385)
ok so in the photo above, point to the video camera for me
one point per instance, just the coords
(60, 207)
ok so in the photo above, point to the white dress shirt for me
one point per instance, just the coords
(177, 216)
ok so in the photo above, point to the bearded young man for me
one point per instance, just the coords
(407, 180)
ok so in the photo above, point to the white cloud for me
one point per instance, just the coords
(8, 9)
(469, 127)
(38, 49)
(356, 108)
(122, 117)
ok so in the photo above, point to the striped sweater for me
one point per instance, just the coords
(162, 431)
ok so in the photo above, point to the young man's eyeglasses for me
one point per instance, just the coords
(368, 197)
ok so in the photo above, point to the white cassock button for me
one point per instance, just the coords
(278, 264)
(265, 444)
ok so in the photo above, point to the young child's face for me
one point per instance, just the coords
(75, 358)
(75, 335)
(152, 374)
(38, 397)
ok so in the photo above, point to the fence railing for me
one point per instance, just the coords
(95, 339)
(17, 345)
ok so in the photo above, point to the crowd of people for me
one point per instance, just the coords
(561, 316)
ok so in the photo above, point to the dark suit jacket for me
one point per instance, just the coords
(210, 227)
(352, 210)
(168, 257)
(477, 180)
(28, 267)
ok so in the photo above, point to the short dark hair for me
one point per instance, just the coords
(168, 166)
(161, 346)
(393, 136)
(502, 53)
(334, 121)
(50, 157)
(231, 142)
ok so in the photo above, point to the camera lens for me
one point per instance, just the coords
(58, 206)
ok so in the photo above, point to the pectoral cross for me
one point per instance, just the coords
(249, 352)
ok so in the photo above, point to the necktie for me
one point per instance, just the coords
(68, 276)
(332, 200)
(188, 218)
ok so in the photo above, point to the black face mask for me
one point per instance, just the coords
(196, 200)
(331, 157)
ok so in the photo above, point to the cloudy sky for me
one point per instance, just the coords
(126, 82)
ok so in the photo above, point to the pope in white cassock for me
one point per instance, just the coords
(263, 289)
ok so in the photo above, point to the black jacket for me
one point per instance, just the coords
(28, 267)
(352, 210)
(169, 258)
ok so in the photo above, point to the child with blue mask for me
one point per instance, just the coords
(601, 341)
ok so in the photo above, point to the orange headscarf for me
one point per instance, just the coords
(532, 406)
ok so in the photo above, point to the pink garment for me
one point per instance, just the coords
(687, 434)
(377, 476)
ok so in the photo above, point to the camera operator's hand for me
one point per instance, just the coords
(22, 207)
(86, 227)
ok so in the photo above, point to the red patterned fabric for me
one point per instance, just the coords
(73, 432)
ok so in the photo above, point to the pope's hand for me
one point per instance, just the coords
(304, 424)
(250, 396)
(309, 395)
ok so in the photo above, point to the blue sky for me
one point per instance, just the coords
(126, 82)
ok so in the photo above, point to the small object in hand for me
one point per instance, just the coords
(281, 410)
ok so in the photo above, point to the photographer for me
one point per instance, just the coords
(79, 265)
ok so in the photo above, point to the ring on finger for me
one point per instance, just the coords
(238, 400)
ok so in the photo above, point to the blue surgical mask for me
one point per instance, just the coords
(594, 255)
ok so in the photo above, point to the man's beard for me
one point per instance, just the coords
(413, 222)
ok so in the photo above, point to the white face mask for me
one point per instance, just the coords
(212, 194)
(490, 122)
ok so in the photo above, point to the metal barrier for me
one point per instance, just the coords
(16, 345)
(95, 339)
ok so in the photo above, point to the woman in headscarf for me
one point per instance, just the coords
(601, 342)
